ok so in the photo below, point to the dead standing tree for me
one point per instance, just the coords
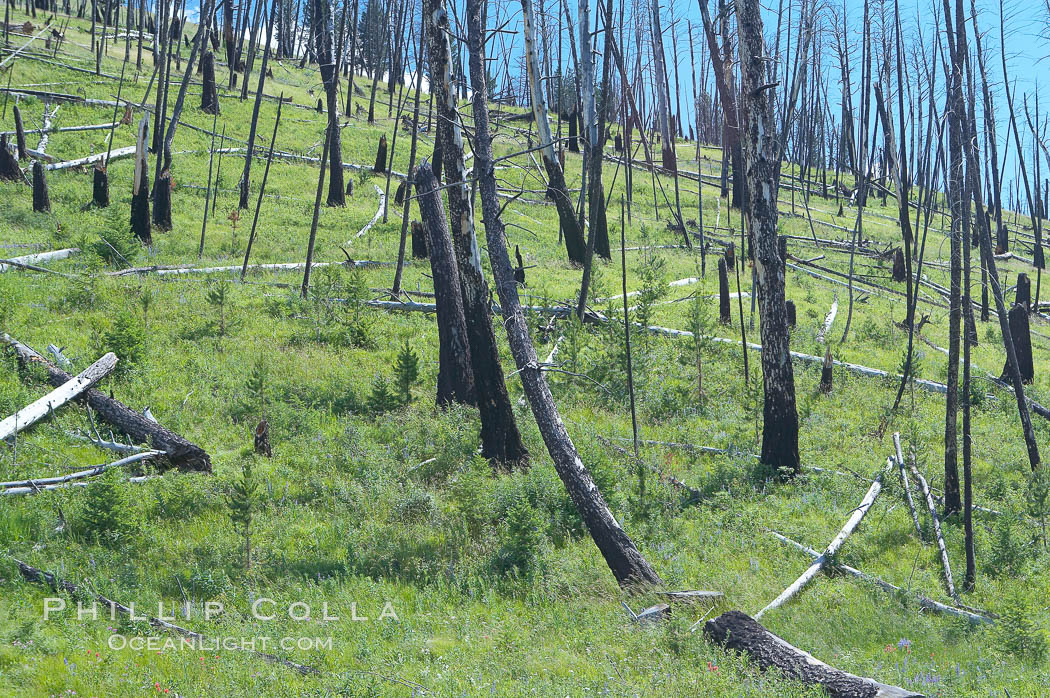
(720, 56)
(329, 65)
(245, 176)
(627, 564)
(500, 438)
(762, 158)
(556, 187)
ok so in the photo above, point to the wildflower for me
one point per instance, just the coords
(904, 644)
(712, 666)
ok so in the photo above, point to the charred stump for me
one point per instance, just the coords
(350, 188)
(455, 377)
(262, 439)
(209, 94)
(399, 195)
(970, 321)
(900, 272)
(162, 201)
(1023, 294)
(723, 292)
(20, 135)
(41, 198)
(826, 373)
(419, 241)
(380, 165)
(791, 313)
(9, 168)
(730, 255)
(100, 186)
(574, 142)
(618, 143)
(1022, 344)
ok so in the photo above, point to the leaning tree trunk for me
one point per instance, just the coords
(246, 175)
(455, 377)
(330, 78)
(762, 167)
(627, 564)
(727, 94)
(500, 438)
(556, 187)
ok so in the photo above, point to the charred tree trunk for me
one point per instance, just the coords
(1022, 338)
(9, 168)
(762, 158)
(329, 65)
(181, 453)
(419, 241)
(162, 201)
(140, 215)
(100, 186)
(455, 377)
(627, 564)
(246, 175)
(209, 93)
(41, 198)
(724, 310)
(826, 372)
(727, 94)
(380, 165)
(1023, 294)
(900, 273)
(20, 134)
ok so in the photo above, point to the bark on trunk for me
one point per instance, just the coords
(380, 165)
(9, 169)
(1022, 338)
(20, 135)
(180, 453)
(455, 377)
(41, 198)
(100, 186)
(162, 201)
(723, 292)
(736, 630)
(329, 66)
(627, 564)
(140, 215)
(209, 93)
(419, 241)
(762, 158)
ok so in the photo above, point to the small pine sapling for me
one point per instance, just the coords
(219, 297)
(243, 501)
(406, 372)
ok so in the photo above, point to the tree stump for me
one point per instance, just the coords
(41, 199)
(618, 143)
(100, 186)
(1023, 294)
(574, 142)
(320, 106)
(162, 201)
(209, 93)
(419, 241)
(262, 439)
(9, 168)
(791, 313)
(1022, 345)
(730, 255)
(350, 188)
(380, 165)
(825, 372)
(399, 195)
(723, 292)
(900, 271)
(20, 135)
(519, 271)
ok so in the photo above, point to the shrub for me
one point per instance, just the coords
(522, 539)
(127, 339)
(1018, 631)
(406, 372)
(381, 400)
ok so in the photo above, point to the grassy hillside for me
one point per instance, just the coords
(496, 587)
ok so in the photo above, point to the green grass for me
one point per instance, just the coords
(349, 514)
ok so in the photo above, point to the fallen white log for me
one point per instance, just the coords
(40, 257)
(283, 266)
(851, 524)
(80, 474)
(42, 145)
(101, 443)
(67, 129)
(928, 497)
(44, 488)
(379, 213)
(923, 601)
(34, 412)
(118, 154)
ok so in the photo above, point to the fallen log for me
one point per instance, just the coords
(36, 488)
(375, 218)
(923, 601)
(928, 498)
(282, 266)
(68, 390)
(79, 475)
(32, 574)
(179, 452)
(118, 154)
(40, 257)
(828, 320)
(851, 525)
(736, 630)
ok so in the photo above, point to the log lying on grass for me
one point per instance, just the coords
(375, 218)
(851, 525)
(178, 452)
(32, 574)
(736, 630)
(33, 486)
(39, 257)
(68, 390)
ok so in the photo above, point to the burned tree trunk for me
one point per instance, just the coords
(180, 453)
(41, 198)
(625, 561)
(500, 439)
(727, 93)
(419, 241)
(455, 377)
(668, 157)
(791, 313)
(245, 184)
(738, 631)
(900, 273)
(723, 292)
(1023, 294)
(380, 165)
(574, 141)
(9, 168)
(826, 372)
(762, 158)
(329, 66)
(162, 201)
(556, 187)
(209, 93)
(262, 439)
(20, 135)
(140, 215)
(100, 186)
(1022, 338)
(399, 195)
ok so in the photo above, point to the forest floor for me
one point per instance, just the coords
(495, 585)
